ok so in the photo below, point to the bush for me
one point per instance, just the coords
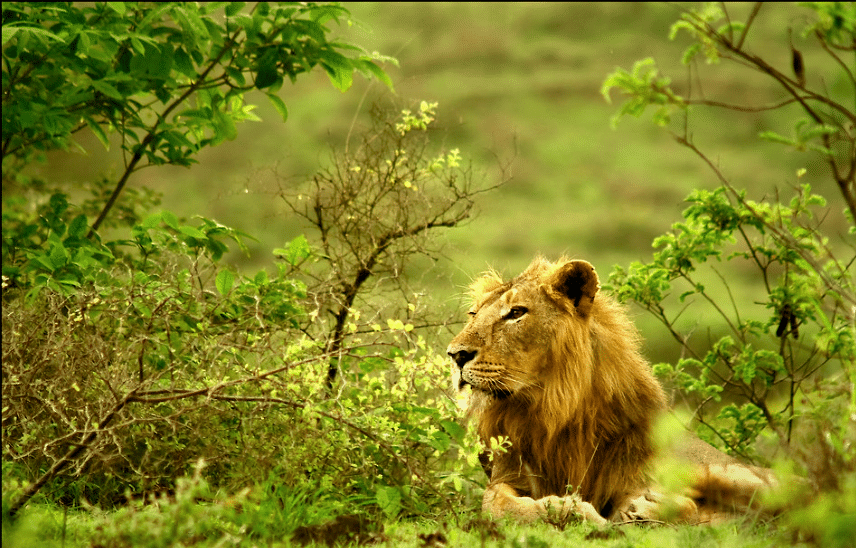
(126, 362)
(782, 360)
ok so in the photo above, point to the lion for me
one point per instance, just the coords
(554, 368)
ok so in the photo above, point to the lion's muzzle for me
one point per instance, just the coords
(461, 357)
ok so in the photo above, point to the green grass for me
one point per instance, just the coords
(51, 527)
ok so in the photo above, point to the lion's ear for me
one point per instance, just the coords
(577, 282)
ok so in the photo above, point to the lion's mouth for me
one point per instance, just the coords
(498, 393)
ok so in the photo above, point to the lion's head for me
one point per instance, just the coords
(554, 366)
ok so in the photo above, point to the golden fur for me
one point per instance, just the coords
(555, 368)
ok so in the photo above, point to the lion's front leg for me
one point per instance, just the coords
(501, 500)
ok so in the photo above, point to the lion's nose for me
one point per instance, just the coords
(462, 357)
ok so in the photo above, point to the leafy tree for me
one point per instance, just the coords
(169, 79)
(788, 368)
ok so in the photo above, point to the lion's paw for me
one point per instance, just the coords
(654, 507)
(564, 509)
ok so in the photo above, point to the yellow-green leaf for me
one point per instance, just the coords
(224, 282)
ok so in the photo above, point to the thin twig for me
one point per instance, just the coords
(755, 9)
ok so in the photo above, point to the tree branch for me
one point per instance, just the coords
(72, 454)
(151, 135)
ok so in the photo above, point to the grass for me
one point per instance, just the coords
(51, 527)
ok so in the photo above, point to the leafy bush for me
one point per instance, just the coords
(782, 360)
(126, 362)
(371, 216)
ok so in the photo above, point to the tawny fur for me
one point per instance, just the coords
(566, 384)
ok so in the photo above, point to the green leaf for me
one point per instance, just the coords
(225, 126)
(183, 63)
(266, 74)
(106, 89)
(774, 137)
(118, 7)
(341, 78)
(138, 45)
(339, 68)
(98, 131)
(279, 105)
(152, 221)
(367, 65)
(78, 227)
(389, 500)
(261, 278)
(190, 22)
(236, 74)
(58, 255)
(690, 53)
(170, 219)
(210, 7)
(192, 232)
(234, 7)
(455, 430)
(9, 33)
(296, 251)
(440, 441)
(224, 282)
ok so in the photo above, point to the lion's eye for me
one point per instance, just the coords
(516, 312)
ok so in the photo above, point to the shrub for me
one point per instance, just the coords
(140, 357)
(125, 361)
(783, 360)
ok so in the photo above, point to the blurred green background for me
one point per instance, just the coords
(517, 85)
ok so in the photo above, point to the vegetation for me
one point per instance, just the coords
(786, 363)
(129, 362)
(169, 81)
(154, 394)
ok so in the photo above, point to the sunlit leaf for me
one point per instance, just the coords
(224, 281)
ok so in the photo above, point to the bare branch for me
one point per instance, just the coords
(755, 9)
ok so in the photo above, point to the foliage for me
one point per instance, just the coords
(828, 114)
(126, 362)
(198, 517)
(786, 362)
(169, 79)
(369, 216)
